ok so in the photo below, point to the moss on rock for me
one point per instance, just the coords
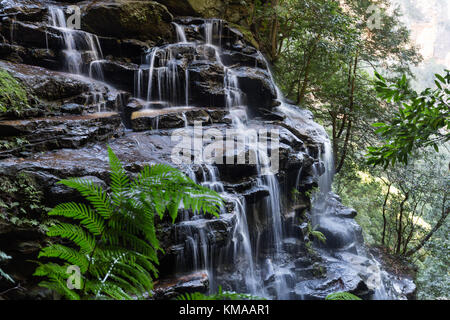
(13, 96)
(248, 35)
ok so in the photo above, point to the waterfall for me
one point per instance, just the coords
(181, 35)
(326, 179)
(165, 83)
(76, 42)
(260, 258)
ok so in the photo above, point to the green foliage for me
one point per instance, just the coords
(13, 143)
(433, 279)
(316, 234)
(3, 258)
(422, 120)
(342, 296)
(319, 236)
(221, 295)
(113, 237)
(21, 201)
(13, 96)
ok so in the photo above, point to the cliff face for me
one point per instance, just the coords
(137, 73)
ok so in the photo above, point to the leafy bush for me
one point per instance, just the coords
(114, 242)
(422, 120)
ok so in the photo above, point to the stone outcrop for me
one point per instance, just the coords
(141, 20)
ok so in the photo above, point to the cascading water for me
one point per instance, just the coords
(76, 42)
(83, 56)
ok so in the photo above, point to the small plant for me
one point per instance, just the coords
(113, 237)
(311, 192)
(317, 234)
(295, 194)
(14, 143)
(342, 296)
(221, 295)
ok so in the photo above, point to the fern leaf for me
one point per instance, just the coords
(89, 219)
(119, 179)
(99, 199)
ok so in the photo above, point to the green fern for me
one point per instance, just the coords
(113, 237)
(342, 296)
(221, 295)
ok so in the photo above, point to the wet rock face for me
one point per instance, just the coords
(142, 20)
(42, 134)
(233, 11)
(188, 283)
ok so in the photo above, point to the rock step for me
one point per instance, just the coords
(42, 134)
(170, 288)
(176, 117)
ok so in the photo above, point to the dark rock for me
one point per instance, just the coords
(256, 194)
(32, 35)
(232, 58)
(142, 20)
(175, 118)
(72, 108)
(206, 84)
(165, 289)
(130, 49)
(259, 90)
(119, 74)
(303, 262)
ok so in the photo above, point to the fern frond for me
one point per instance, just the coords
(342, 296)
(74, 233)
(79, 211)
(99, 199)
(119, 179)
(115, 242)
(70, 255)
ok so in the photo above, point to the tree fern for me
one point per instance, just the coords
(112, 236)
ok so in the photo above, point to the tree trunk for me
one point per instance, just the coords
(445, 212)
(274, 34)
(304, 86)
(383, 237)
(349, 115)
(400, 224)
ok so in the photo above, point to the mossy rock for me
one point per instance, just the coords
(13, 95)
(142, 20)
(235, 11)
(248, 35)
